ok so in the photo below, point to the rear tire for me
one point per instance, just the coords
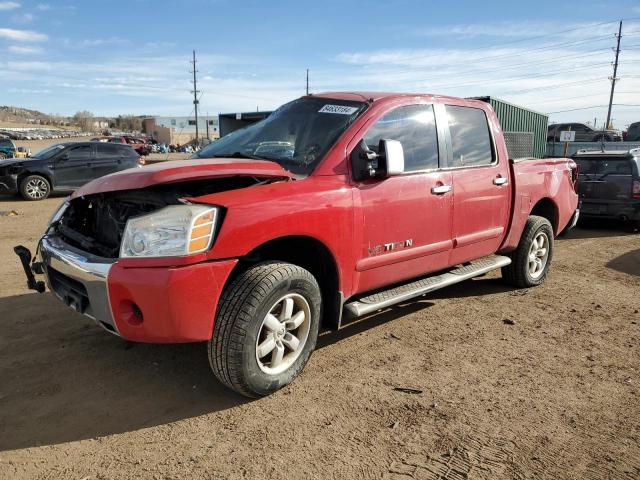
(35, 187)
(530, 262)
(265, 329)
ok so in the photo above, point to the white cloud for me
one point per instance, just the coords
(24, 50)
(22, 35)
(22, 18)
(29, 66)
(9, 5)
(43, 7)
(97, 42)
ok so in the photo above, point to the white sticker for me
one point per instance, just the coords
(339, 109)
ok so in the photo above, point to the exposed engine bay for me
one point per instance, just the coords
(96, 223)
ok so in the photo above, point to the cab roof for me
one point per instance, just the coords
(377, 96)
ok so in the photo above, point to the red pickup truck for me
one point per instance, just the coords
(339, 203)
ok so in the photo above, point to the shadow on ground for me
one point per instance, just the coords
(62, 378)
(599, 228)
(627, 263)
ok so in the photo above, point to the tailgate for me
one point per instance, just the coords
(605, 180)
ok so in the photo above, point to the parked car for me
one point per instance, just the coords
(368, 200)
(137, 144)
(7, 148)
(64, 167)
(609, 184)
(584, 133)
(633, 133)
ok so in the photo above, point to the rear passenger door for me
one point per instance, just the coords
(481, 190)
(107, 159)
(73, 166)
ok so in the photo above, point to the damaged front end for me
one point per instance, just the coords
(84, 238)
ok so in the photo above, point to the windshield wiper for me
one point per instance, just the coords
(254, 157)
(242, 155)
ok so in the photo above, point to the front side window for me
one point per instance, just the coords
(297, 135)
(414, 126)
(49, 151)
(470, 136)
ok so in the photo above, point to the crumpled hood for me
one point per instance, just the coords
(181, 171)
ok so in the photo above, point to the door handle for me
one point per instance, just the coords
(440, 189)
(500, 180)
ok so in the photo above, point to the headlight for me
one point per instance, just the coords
(175, 230)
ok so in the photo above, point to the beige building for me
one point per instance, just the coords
(180, 130)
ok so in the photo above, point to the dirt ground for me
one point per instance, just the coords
(552, 394)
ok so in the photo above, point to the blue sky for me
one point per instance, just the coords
(132, 57)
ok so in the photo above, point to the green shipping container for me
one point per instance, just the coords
(517, 120)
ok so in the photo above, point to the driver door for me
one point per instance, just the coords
(406, 219)
(73, 167)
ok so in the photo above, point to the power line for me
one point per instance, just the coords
(594, 106)
(519, 53)
(470, 72)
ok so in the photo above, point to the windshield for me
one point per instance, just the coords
(297, 135)
(49, 151)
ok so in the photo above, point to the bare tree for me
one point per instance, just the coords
(84, 120)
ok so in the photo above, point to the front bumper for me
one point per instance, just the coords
(143, 304)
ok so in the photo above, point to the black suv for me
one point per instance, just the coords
(609, 184)
(584, 133)
(65, 166)
(633, 132)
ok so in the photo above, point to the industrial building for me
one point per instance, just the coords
(181, 130)
(230, 122)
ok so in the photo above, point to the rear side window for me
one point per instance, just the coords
(470, 137)
(106, 149)
(414, 126)
(126, 151)
(605, 166)
(80, 153)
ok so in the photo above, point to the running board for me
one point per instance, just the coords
(385, 298)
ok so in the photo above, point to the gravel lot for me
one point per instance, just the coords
(553, 393)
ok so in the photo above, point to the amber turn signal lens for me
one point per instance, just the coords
(198, 244)
(205, 218)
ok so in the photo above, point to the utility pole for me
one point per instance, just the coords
(307, 81)
(195, 92)
(208, 137)
(614, 78)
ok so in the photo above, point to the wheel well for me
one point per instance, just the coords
(310, 254)
(23, 175)
(547, 209)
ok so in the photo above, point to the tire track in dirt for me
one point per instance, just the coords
(476, 456)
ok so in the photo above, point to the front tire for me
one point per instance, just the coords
(35, 187)
(265, 329)
(531, 260)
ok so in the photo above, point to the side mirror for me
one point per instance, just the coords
(393, 156)
(366, 163)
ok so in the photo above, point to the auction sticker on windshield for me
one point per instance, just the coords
(340, 109)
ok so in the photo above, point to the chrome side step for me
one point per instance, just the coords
(385, 298)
